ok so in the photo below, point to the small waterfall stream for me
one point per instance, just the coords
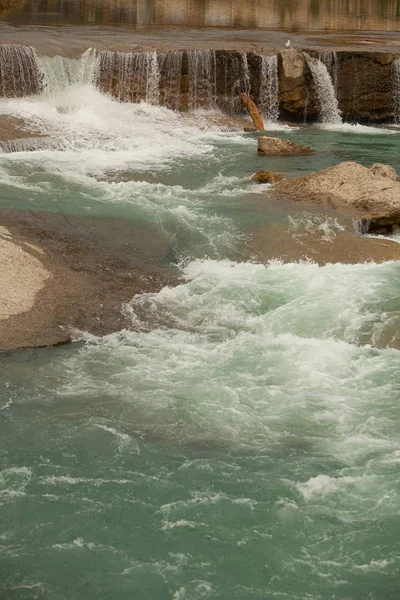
(328, 108)
(269, 88)
(170, 81)
(58, 72)
(330, 60)
(19, 73)
(396, 89)
(202, 76)
(130, 76)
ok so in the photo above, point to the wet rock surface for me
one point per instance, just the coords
(267, 177)
(88, 267)
(276, 146)
(351, 188)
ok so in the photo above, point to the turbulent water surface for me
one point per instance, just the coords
(242, 440)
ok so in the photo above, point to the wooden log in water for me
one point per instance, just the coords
(253, 111)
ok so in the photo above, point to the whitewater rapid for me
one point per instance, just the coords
(241, 439)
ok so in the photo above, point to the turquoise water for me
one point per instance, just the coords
(241, 442)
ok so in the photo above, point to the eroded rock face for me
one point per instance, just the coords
(295, 88)
(267, 177)
(364, 85)
(351, 188)
(273, 146)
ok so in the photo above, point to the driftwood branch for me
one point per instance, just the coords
(253, 111)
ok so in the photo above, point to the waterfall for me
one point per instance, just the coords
(233, 76)
(328, 108)
(396, 89)
(202, 73)
(362, 226)
(177, 79)
(59, 73)
(246, 73)
(129, 76)
(268, 101)
(19, 73)
(170, 66)
(330, 60)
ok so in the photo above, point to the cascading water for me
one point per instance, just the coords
(58, 72)
(176, 79)
(233, 75)
(328, 108)
(130, 77)
(396, 89)
(202, 79)
(330, 60)
(268, 101)
(19, 73)
(246, 73)
(170, 67)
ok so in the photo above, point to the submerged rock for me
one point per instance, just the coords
(267, 177)
(369, 194)
(62, 273)
(272, 145)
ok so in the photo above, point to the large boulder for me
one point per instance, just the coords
(272, 145)
(352, 188)
(295, 89)
(267, 177)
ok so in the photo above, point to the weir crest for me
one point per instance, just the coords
(330, 86)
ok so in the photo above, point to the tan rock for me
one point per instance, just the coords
(272, 145)
(22, 276)
(295, 91)
(384, 171)
(267, 177)
(293, 63)
(352, 188)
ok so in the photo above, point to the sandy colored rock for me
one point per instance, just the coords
(273, 146)
(295, 89)
(22, 276)
(267, 177)
(349, 187)
(384, 171)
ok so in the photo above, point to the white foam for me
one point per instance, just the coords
(235, 353)
(356, 128)
(325, 484)
(277, 126)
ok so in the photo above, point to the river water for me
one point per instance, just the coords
(242, 440)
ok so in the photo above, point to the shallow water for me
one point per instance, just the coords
(242, 441)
